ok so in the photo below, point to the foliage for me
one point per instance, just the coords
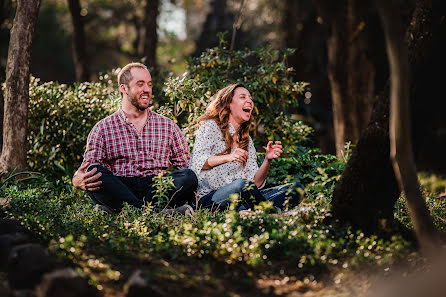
(59, 120)
(162, 184)
(431, 185)
(263, 72)
(69, 224)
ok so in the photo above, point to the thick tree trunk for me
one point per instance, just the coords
(367, 191)
(149, 38)
(2, 112)
(17, 86)
(400, 133)
(350, 70)
(219, 19)
(80, 57)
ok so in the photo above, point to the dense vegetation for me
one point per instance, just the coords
(304, 244)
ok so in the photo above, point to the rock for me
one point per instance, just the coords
(11, 226)
(27, 263)
(8, 242)
(64, 283)
(22, 293)
(138, 287)
(4, 288)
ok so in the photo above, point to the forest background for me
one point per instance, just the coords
(319, 73)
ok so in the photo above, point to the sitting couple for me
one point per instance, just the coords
(128, 148)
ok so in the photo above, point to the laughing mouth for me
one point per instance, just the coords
(247, 109)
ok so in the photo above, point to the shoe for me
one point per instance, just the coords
(185, 210)
(105, 209)
(296, 211)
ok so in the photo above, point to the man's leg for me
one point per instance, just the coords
(113, 192)
(284, 194)
(185, 182)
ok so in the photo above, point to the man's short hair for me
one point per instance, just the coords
(125, 76)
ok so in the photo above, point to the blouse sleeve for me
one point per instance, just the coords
(205, 139)
(251, 167)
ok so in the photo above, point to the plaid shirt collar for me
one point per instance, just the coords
(126, 120)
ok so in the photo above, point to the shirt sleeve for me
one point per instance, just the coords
(251, 166)
(95, 152)
(180, 150)
(205, 139)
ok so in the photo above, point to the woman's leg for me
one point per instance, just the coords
(283, 195)
(220, 199)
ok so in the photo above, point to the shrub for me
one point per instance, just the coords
(59, 120)
(265, 75)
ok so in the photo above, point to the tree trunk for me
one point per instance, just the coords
(367, 190)
(219, 19)
(350, 70)
(400, 133)
(149, 40)
(2, 112)
(80, 57)
(17, 86)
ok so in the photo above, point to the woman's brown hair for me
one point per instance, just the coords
(219, 110)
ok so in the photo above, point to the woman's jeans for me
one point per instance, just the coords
(285, 196)
(137, 191)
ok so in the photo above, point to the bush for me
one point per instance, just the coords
(265, 75)
(59, 120)
(61, 116)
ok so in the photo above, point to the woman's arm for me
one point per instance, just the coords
(238, 155)
(273, 151)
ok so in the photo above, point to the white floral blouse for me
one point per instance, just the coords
(209, 142)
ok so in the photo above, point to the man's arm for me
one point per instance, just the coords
(180, 149)
(94, 154)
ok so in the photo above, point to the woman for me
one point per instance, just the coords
(224, 156)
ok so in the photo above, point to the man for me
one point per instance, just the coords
(128, 148)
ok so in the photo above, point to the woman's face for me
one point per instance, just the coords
(241, 105)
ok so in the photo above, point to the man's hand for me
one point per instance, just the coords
(238, 155)
(273, 151)
(86, 180)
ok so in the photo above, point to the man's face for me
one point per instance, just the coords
(139, 90)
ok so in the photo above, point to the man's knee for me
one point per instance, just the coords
(188, 178)
(99, 168)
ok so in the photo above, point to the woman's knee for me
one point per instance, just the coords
(242, 184)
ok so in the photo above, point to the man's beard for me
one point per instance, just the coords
(134, 101)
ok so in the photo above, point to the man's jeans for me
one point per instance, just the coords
(136, 191)
(250, 195)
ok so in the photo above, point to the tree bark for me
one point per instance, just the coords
(350, 69)
(2, 112)
(401, 152)
(367, 191)
(149, 40)
(17, 86)
(80, 57)
(219, 19)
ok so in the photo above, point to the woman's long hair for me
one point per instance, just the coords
(219, 110)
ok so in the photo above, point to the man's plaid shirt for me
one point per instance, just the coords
(115, 143)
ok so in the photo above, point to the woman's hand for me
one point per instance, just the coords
(273, 151)
(238, 155)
